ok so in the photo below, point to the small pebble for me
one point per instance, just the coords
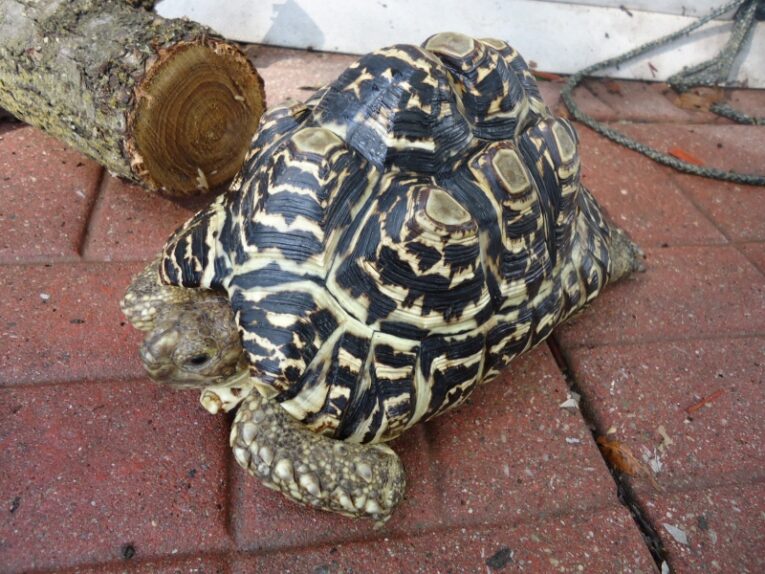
(679, 535)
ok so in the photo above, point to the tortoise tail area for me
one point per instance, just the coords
(603, 243)
(601, 253)
(626, 257)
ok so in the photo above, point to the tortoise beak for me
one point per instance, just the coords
(158, 369)
(156, 352)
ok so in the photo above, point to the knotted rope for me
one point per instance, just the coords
(713, 72)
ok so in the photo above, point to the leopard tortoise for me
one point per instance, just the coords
(387, 246)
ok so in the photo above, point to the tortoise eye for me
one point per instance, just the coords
(199, 360)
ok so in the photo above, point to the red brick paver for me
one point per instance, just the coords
(131, 223)
(756, 254)
(686, 292)
(639, 196)
(720, 529)
(657, 103)
(89, 469)
(134, 565)
(723, 146)
(708, 426)
(47, 191)
(738, 210)
(62, 322)
(645, 102)
(604, 541)
(287, 75)
(584, 98)
(102, 471)
(514, 452)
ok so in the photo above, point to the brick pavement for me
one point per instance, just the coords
(103, 471)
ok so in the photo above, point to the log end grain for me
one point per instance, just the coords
(194, 115)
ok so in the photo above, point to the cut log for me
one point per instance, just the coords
(162, 102)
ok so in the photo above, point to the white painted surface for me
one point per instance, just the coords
(558, 36)
(679, 7)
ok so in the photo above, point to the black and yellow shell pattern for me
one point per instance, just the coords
(400, 237)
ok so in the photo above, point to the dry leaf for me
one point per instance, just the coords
(699, 98)
(683, 155)
(621, 458)
(549, 76)
(708, 399)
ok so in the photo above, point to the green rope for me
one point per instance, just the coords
(714, 71)
(737, 116)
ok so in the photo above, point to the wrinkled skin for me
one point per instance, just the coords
(191, 336)
(626, 257)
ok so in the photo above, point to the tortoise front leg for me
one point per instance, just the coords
(227, 395)
(351, 479)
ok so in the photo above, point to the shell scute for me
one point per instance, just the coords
(400, 237)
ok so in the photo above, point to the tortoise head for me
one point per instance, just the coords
(193, 346)
(191, 337)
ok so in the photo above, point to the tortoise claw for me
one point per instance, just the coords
(315, 470)
(227, 395)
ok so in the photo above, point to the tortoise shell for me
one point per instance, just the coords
(400, 237)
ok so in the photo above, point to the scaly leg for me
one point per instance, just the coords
(351, 479)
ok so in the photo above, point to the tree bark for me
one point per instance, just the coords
(161, 102)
